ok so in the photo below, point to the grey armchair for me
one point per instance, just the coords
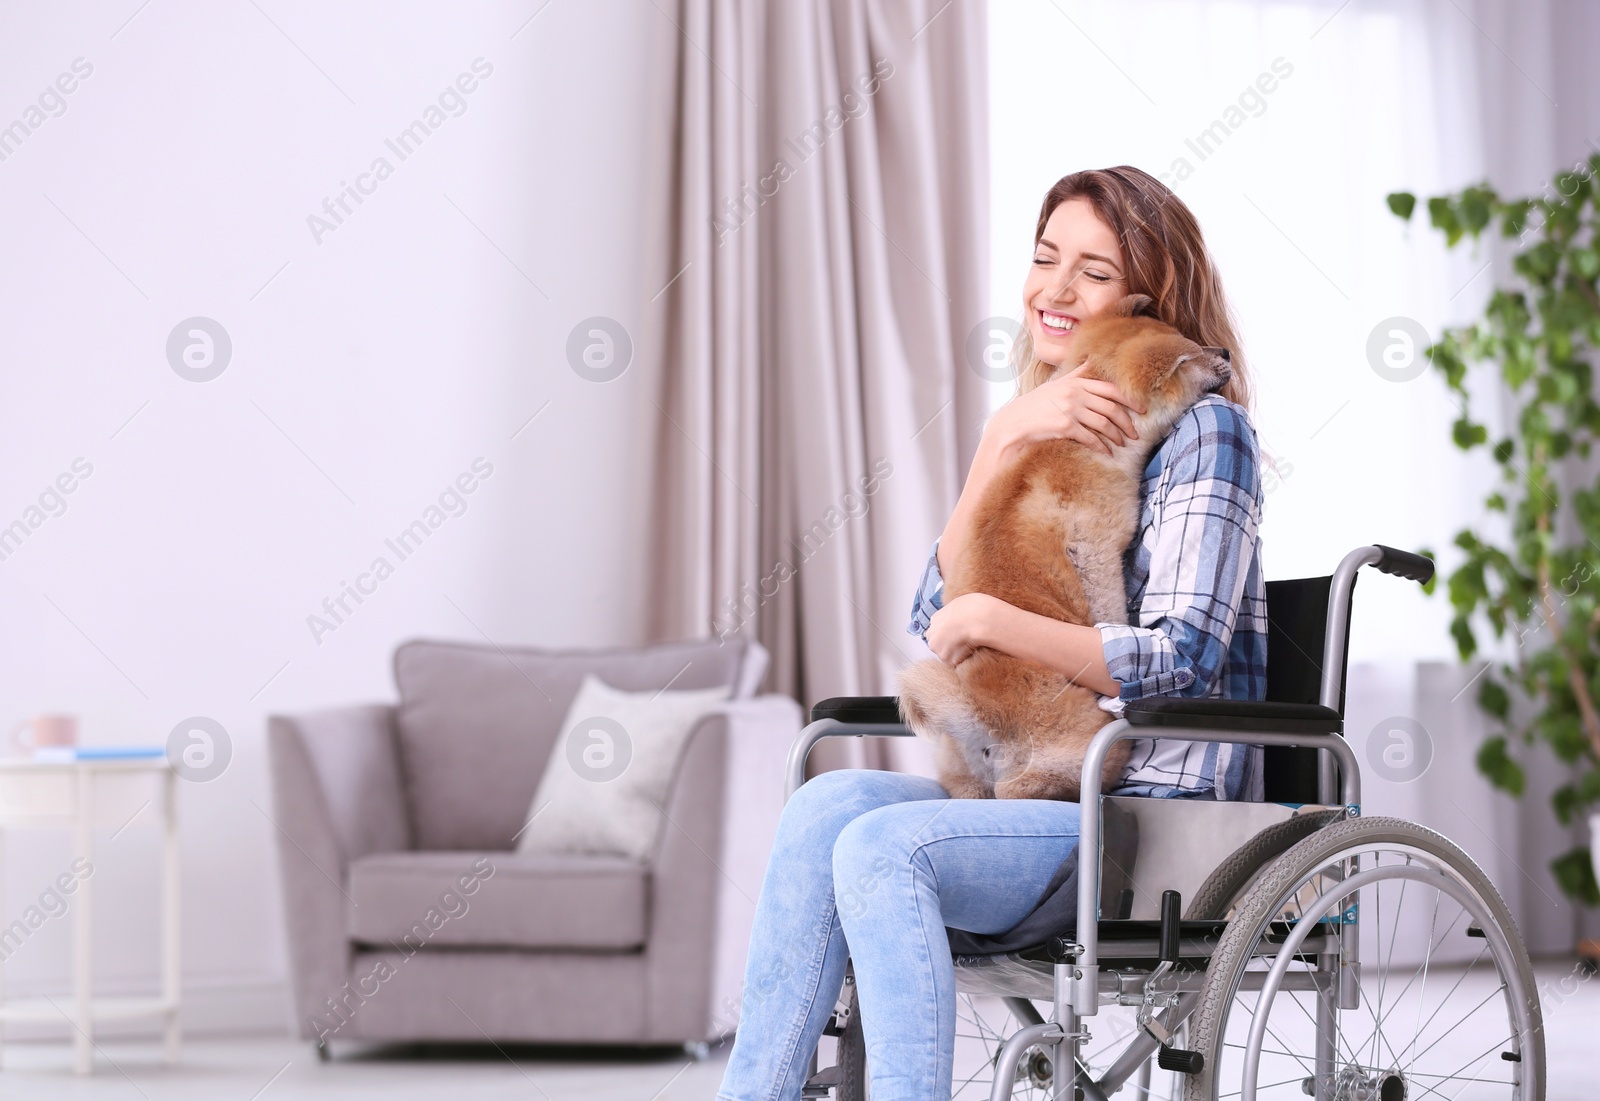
(411, 916)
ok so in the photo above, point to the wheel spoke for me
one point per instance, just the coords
(1309, 1067)
(1459, 1022)
(970, 1080)
(1267, 1051)
(1490, 1050)
(1497, 990)
(1114, 1041)
(1383, 975)
(1427, 960)
(1339, 1039)
(1411, 1078)
(1268, 1086)
(1401, 996)
(1290, 1038)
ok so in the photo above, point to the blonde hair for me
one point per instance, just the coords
(1165, 258)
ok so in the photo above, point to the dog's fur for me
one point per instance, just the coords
(1049, 537)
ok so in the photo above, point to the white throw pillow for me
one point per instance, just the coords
(606, 783)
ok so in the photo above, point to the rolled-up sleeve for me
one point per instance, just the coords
(1202, 542)
(930, 595)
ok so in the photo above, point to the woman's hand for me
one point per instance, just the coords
(963, 625)
(1070, 406)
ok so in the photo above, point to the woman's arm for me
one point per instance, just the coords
(1206, 520)
(978, 619)
(1070, 406)
(985, 465)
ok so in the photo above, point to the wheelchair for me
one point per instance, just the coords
(1245, 949)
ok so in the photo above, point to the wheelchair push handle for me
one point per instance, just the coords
(1404, 564)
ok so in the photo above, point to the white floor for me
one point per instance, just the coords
(271, 1069)
(267, 1068)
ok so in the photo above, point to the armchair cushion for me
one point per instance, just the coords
(419, 900)
(604, 785)
(462, 705)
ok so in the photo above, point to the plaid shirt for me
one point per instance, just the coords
(1196, 598)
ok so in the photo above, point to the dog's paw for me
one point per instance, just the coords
(966, 787)
(1033, 784)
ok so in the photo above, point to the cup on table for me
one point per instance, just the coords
(44, 730)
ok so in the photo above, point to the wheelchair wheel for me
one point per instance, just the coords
(983, 1024)
(1446, 1005)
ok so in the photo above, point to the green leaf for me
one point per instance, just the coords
(1572, 185)
(1574, 870)
(1432, 582)
(1586, 262)
(1443, 215)
(1539, 263)
(1467, 586)
(1514, 217)
(1571, 800)
(1468, 435)
(1562, 730)
(1446, 357)
(1492, 697)
(1401, 204)
(1496, 764)
(1566, 803)
(1474, 209)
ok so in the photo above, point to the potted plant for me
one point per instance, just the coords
(1541, 332)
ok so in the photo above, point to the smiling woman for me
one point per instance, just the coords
(1194, 579)
(1109, 232)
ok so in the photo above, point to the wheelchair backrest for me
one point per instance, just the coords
(1297, 648)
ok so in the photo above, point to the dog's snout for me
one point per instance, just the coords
(1221, 368)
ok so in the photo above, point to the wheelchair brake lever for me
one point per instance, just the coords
(1167, 954)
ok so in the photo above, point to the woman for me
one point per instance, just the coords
(873, 866)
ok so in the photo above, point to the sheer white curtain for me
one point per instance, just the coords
(818, 264)
(1283, 124)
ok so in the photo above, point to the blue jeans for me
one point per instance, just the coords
(872, 866)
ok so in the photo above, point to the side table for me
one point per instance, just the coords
(81, 795)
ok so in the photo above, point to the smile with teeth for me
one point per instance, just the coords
(1057, 322)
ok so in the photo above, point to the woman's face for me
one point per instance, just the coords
(1076, 273)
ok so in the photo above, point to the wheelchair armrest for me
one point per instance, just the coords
(858, 709)
(1216, 714)
(844, 717)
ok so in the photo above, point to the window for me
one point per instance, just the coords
(1282, 126)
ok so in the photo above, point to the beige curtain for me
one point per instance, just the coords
(825, 264)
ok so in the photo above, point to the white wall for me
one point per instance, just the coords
(369, 369)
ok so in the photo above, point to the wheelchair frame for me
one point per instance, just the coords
(1079, 984)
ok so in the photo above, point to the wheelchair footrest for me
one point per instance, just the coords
(822, 1083)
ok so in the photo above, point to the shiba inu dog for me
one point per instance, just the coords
(1049, 537)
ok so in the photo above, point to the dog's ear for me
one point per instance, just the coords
(1135, 305)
